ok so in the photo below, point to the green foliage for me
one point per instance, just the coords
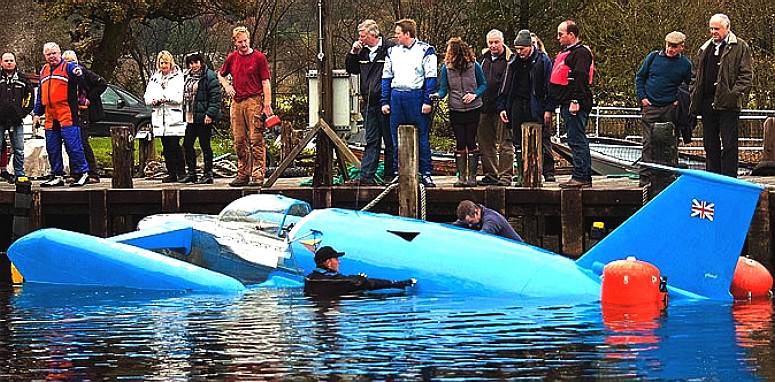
(103, 151)
(293, 108)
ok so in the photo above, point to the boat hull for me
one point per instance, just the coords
(54, 256)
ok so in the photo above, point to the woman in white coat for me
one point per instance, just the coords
(165, 94)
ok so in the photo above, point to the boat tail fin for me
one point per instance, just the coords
(693, 232)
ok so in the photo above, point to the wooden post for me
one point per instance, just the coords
(321, 197)
(532, 159)
(36, 211)
(22, 206)
(766, 167)
(121, 137)
(323, 148)
(495, 199)
(170, 200)
(664, 151)
(408, 184)
(5, 270)
(760, 233)
(98, 213)
(769, 140)
(572, 219)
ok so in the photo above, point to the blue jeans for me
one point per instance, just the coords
(576, 125)
(377, 127)
(406, 109)
(71, 137)
(17, 144)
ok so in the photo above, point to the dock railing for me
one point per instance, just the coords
(624, 123)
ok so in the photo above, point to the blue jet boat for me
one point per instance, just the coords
(693, 232)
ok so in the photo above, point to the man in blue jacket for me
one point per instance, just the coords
(480, 218)
(656, 85)
(408, 80)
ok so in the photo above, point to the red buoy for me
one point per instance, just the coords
(632, 282)
(751, 280)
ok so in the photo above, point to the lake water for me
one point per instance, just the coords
(94, 334)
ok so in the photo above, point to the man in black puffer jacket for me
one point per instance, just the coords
(16, 102)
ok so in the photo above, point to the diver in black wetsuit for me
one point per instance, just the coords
(326, 280)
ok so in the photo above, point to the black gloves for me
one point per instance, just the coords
(405, 283)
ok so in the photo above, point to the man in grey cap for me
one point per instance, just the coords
(523, 96)
(723, 77)
(656, 85)
(326, 280)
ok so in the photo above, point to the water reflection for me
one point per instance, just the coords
(77, 334)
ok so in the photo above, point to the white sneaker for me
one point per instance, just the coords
(80, 180)
(55, 181)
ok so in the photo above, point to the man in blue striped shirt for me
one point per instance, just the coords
(408, 80)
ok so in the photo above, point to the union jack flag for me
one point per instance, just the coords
(703, 209)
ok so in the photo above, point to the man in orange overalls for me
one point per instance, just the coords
(58, 99)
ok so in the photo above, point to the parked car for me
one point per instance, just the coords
(121, 107)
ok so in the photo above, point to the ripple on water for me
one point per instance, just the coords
(112, 334)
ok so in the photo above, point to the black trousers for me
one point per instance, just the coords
(719, 134)
(204, 133)
(465, 125)
(173, 155)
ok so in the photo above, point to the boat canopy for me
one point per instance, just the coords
(270, 214)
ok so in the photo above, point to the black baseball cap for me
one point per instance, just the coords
(325, 253)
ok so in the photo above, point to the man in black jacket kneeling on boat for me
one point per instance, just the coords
(326, 280)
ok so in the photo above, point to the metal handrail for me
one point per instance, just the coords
(617, 112)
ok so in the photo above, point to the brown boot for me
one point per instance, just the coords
(239, 182)
(576, 183)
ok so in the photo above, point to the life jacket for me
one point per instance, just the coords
(561, 71)
(54, 95)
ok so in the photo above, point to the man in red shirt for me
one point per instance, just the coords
(251, 93)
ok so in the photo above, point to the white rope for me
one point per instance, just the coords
(379, 197)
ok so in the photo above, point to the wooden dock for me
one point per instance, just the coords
(558, 220)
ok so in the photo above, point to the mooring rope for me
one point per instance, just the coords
(422, 201)
(392, 186)
(379, 197)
